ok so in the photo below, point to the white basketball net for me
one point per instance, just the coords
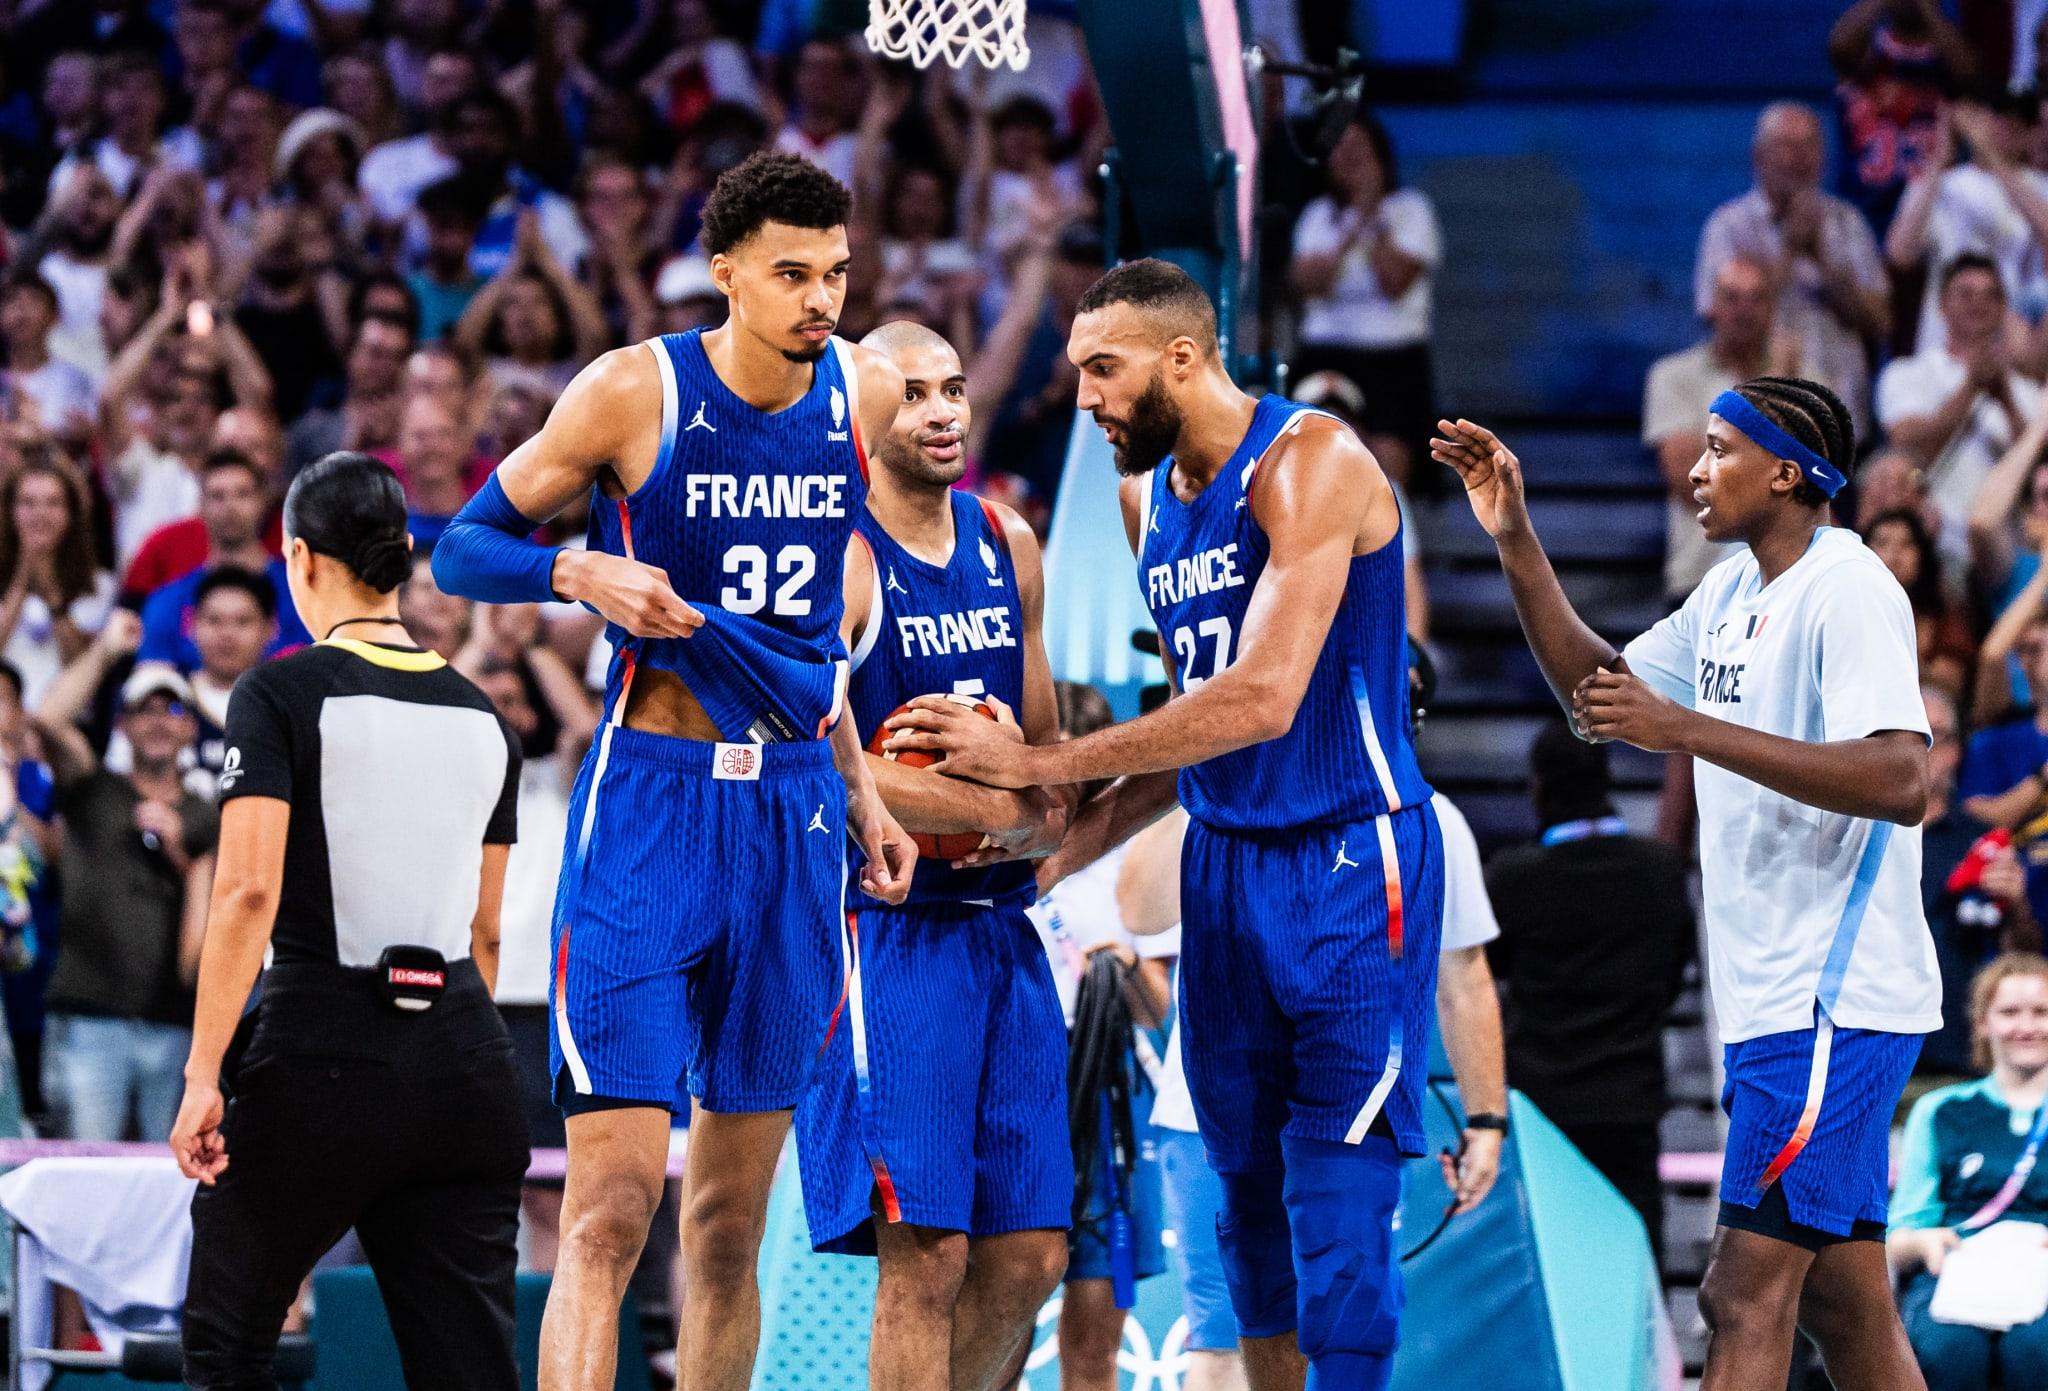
(990, 31)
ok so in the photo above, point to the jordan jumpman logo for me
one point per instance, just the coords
(698, 422)
(1343, 859)
(818, 821)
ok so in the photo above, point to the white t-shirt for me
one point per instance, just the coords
(1973, 214)
(394, 174)
(1080, 912)
(531, 869)
(1916, 386)
(151, 487)
(60, 390)
(1356, 313)
(1468, 912)
(1468, 922)
(32, 647)
(1825, 652)
(837, 156)
(81, 288)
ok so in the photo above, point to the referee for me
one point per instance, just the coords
(367, 809)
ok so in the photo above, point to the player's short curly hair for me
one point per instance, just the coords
(1161, 288)
(771, 188)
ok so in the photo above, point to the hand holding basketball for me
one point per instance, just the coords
(965, 744)
(939, 847)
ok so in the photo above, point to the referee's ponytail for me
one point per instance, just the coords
(350, 507)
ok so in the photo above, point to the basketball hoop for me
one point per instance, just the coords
(991, 31)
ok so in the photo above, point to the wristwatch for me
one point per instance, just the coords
(1487, 1120)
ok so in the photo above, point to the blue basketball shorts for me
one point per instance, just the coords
(1194, 1199)
(696, 940)
(1308, 982)
(941, 1098)
(1810, 1111)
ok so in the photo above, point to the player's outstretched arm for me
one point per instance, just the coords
(1317, 495)
(608, 419)
(1566, 649)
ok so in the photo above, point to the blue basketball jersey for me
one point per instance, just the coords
(936, 629)
(749, 512)
(1347, 757)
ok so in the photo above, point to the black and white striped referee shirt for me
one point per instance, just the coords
(398, 772)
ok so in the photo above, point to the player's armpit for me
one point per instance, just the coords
(609, 417)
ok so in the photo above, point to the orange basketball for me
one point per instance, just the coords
(950, 847)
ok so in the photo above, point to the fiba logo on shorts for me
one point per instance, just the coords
(737, 762)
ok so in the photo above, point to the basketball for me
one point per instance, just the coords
(950, 847)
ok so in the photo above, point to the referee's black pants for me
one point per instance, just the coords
(406, 1126)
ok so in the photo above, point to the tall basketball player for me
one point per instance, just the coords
(936, 1134)
(696, 933)
(1792, 678)
(1268, 545)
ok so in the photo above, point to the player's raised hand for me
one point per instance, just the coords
(1621, 705)
(1491, 473)
(968, 745)
(637, 597)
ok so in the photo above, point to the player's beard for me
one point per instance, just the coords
(810, 352)
(1149, 433)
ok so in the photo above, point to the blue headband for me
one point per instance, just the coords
(1752, 422)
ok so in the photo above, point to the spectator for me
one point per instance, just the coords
(1364, 256)
(724, 136)
(1587, 995)
(372, 398)
(437, 620)
(1971, 924)
(1741, 343)
(1990, 207)
(699, 67)
(205, 35)
(246, 160)
(137, 866)
(61, 395)
(175, 549)
(2002, 780)
(533, 322)
(1968, 1153)
(99, 29)
(1895, 60)
(448, 375)
(2009, 516)
(169, 217)
(30, 853)
(234, 627)
(434, 463)
(156, 468)
(394, 173)
(318, 158)
(485, 136)
(611, 198)
(281, 314)
(1833, 297)
(132, 108)
(234, 503)
(78, 225)
(452, 211)
(284, 68)
(420, 32)
(53, 598)
(829, 94)
(517, 411)
(1958, 406)
(359, 88)
(1947, 652)
(686, 296)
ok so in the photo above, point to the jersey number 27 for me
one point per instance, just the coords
(1187, 643)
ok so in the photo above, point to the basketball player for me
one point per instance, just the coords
(1790, 676)
(936, 1135)
(1268, 545)
(696, 932)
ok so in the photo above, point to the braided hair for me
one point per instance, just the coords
(1811, 414)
